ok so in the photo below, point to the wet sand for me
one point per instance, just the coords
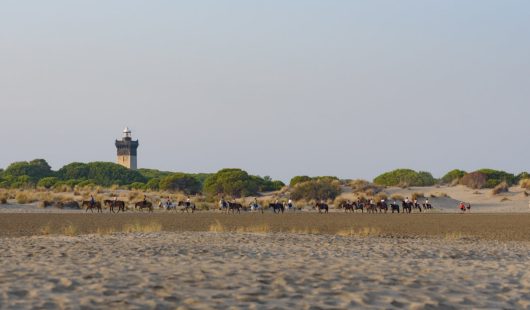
(202, 270)
(507, 227)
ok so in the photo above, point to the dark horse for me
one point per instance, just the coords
(407, 207)
(358, 206)
(144, 205)
(277, 207)
(115, 204)
(395, 207)
(382, 206)
(187, 206)
(92, 205)
(234, 207)
(322, 207)
(371, 208)
(347, 206)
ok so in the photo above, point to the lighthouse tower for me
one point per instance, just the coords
(127, 150)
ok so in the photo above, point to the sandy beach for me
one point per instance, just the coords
(205, 270)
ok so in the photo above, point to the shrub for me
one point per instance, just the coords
(487, 178)
(233, 182)
(525, 183)
(452, 176)
(3, 198)
(475, 180)
(137, 186)
(405, 177)
(22, 198)
(153, 184)
(416, 196)
(180, 182)
(299, 179)
(363, 186)
(319, 189)
(503, 187)
(47, 182)
(397, 197)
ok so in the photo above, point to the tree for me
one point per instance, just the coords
(34, 170)
(233, 182)
(181, 182)
(101, 173)
(405, 177)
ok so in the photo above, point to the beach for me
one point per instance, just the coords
(208, 270)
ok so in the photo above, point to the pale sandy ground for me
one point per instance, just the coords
(261, 271)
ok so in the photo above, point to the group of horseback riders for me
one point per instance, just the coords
(276, 207)
(383, 206)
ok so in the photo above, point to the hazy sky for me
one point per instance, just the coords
(279, 88)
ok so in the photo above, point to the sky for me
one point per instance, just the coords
(279, 88)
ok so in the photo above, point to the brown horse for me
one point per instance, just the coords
(144, 205)
(91, 206)
(115, 204)
(322, 207)
(347, 206)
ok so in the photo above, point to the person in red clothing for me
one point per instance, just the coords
(462, 207)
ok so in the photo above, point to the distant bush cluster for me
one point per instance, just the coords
(318, 188)
(38, 174)
(405, 178)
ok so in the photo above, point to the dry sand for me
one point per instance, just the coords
(203, 270)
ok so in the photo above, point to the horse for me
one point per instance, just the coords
(255, 207)
(233, 206)
(358, 206)
(277, 207)
(395, 207)
(382, 206)
(407, 207)
(144, 205)
(113, 204)
(187, 206)
(371, 208)
(92, 205)
(346, 206)
(322, 207)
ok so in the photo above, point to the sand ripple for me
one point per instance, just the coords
(222, 270)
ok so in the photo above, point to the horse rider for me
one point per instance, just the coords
(290, 204)
(92, 201)
(188, 201)
(407, 200)
(145, 199)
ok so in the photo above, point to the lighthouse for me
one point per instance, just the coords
(127, 150)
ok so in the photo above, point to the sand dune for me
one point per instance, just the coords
(221, 270)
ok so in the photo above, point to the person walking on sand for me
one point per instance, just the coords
(468, 207)
(462, 207)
